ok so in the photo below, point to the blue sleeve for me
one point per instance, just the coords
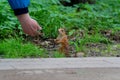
(19, 6)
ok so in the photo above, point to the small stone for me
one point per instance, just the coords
(80, 54)
(46, 43)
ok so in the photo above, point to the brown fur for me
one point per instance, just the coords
(63, 40)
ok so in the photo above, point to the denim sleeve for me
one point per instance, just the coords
(19, 6)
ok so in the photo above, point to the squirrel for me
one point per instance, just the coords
(63, 40)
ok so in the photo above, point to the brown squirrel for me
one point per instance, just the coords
(63, 40)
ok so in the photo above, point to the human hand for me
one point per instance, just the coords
(29, 25)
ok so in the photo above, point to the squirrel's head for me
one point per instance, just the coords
(61, 31)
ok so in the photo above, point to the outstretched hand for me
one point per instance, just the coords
(29, 25)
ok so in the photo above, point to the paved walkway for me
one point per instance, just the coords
(60, 69)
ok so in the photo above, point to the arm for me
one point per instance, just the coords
(20, 8)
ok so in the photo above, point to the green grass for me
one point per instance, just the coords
(51, 15)
(57, 54)
(14, 48)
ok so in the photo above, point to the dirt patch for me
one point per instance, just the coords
(99, 49)
(91, 49)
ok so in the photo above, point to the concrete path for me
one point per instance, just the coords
(60, 69)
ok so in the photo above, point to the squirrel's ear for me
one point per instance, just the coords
(64, 29)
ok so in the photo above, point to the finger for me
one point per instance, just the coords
(29, 29)
(29, 32)
(37, 25)
(34, 31)
(39, 28)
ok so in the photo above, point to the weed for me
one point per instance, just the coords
(58, 55)
(14, 48)
(51, 15)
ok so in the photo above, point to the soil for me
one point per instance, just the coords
(91, 49)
